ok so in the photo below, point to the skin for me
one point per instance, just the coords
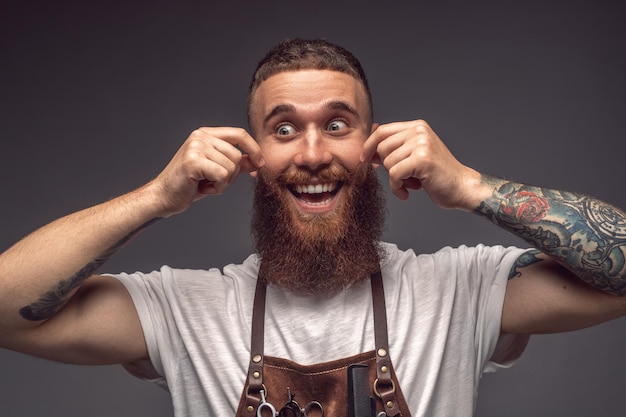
(585, 235)
(310, 120)
(91, 319)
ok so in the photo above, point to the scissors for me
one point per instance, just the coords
(264, 404)
(291, 407)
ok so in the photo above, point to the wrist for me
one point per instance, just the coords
(476, 189)
(145, 204)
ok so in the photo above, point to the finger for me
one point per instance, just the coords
(382, 133)
(241, 139)
(256, 158)
(375, 160)
(206, 187)
(247, 165)
(216, 174)
(402, 193)
(229, 157)
(370, 146)
(403, 177)
(224, 154)
(396, 156)
(412, 184)
(214, 166)
(409, 184)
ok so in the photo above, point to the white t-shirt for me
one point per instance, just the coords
(443, 313)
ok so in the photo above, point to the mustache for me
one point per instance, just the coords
(303, 175)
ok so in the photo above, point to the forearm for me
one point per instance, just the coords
(39, 274)
(585, 235)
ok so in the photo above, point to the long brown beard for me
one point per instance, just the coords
(318, 254)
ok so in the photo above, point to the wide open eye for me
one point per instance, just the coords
(285, 130)
(336, 126)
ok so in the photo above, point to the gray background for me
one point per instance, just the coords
(97, 97)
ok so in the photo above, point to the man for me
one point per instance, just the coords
(228, 343)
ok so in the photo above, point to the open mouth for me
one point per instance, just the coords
(316, 194)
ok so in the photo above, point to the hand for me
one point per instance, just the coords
(207, 163)
(416, 158)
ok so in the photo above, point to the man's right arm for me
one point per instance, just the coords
(51, 306)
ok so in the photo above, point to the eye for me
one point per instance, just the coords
(285, 130)
(336, 126)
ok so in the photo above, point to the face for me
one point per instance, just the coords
(310, 122)
(318, 212)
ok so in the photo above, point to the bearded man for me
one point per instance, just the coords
(324, 307)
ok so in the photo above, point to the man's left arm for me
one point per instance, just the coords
(585, 235)
(577, 275)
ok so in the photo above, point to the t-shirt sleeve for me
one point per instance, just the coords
(184, 315)
(496, 350)
(148, 295)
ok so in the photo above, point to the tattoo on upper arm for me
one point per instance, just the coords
(584, 234)
(56, 298)
(526, 259)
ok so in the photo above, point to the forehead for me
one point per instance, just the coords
(305, 89)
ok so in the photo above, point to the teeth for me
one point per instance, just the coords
(315, 189)
(321, 203)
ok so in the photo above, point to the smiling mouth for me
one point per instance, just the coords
(316, 194)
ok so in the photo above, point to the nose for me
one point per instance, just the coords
(314, 150)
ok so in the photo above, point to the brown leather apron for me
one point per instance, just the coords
(272, 380)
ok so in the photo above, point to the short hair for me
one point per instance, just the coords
(296, 54)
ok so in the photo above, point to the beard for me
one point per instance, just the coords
(318, 253)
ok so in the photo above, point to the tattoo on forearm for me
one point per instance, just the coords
(526, 259)
(56, 298)
(582, 233)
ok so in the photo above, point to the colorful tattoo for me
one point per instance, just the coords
(526, 259)
(583, 234)
(56, 298)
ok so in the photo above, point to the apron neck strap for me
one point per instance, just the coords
(384, 386)
(255, 370)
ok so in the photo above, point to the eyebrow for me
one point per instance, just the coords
(281, 108)
(332, 105)
(342, 105)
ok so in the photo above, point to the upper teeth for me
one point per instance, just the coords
(315, 189)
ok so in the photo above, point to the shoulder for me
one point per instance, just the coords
(168, 275)
(473, 270)
(448, 257)
(192, 285)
